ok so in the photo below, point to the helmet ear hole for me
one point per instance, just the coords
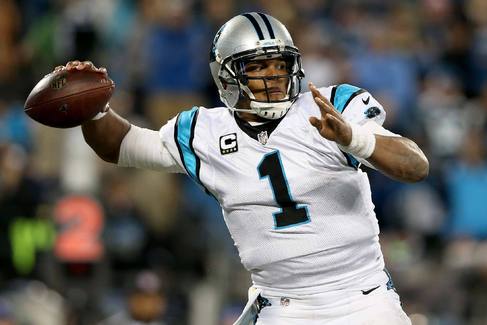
(224, 83)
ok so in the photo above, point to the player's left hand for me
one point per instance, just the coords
(331, 125)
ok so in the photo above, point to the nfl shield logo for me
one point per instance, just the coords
(263, 137)
(59, 82)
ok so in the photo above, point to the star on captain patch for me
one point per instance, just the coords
(263, 137)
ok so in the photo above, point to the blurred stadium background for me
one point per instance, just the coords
(84, 242)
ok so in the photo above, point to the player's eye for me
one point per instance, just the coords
(281, 66)
(253, 67)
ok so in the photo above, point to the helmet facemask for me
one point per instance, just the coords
(233, 74)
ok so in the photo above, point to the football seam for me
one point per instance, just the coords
(68, 96)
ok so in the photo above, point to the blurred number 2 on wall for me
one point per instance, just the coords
(79, 223)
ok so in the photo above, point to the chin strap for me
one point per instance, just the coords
(270, 111)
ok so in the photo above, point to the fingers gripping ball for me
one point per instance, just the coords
(67, 98)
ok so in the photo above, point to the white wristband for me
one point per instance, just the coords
(362, 144)
(101, 114)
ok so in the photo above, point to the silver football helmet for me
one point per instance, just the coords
(248, 37)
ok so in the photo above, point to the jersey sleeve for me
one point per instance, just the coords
(143, 148)
(357, 105)
(179, 137)
(167, 138)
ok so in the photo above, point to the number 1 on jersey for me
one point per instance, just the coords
(290, 214)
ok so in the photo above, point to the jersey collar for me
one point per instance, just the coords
(253, 131)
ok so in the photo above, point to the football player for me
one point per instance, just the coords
(284, 166)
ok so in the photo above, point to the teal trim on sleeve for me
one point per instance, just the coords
(185, 135)
(343, 94)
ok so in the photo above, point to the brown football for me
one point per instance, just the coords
(65, 99)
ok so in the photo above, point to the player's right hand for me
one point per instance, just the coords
(331, 125)
(81, 65)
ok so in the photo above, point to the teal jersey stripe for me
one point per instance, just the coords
(342, 94)
(185, 134)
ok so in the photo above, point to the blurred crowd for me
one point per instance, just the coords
(85, 242)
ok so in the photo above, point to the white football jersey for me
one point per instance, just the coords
(298, 208)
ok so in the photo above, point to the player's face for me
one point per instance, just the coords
(276, 87)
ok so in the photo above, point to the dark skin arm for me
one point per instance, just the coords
(397, 157)
(104, 135)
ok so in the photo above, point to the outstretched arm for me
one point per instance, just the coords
(105, 135)
(396, 157)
